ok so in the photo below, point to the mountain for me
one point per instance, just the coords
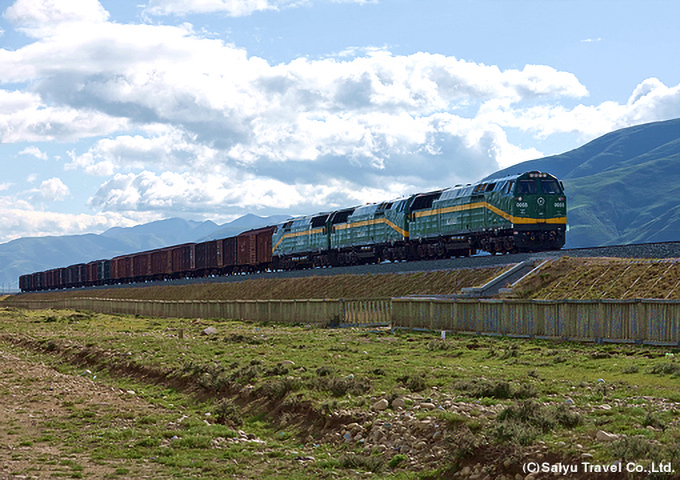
(34, 254)
(173, 231)
(623, 187)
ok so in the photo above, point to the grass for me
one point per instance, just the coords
(293, 392)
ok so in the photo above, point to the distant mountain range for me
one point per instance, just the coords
(33, 254)
(622, 188)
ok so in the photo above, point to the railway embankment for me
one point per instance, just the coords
(365, 286)
(597, 278)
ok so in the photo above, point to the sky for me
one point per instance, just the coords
(116, 113)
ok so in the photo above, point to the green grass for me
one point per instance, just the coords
(280, 384)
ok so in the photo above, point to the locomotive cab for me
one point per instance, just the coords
(539, 212)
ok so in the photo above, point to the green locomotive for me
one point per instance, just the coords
(520, 213)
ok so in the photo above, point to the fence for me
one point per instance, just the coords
(620, 321)
(639, 321)
(318, 312)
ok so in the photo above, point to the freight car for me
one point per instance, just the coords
(519, 213)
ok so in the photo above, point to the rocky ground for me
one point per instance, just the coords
(34, 398)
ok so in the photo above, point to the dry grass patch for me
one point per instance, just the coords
(603, 278)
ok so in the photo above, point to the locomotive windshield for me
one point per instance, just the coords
(527, 186)
(550, 186)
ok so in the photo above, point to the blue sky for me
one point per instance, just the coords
(114, 113)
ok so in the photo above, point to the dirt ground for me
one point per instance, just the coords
(35, 400)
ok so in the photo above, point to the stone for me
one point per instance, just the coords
(427, 406)
(398, 403)
(209, 331)
(603, 436)
(381, 405)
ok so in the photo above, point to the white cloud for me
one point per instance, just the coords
(166, 148)
(233, 8)
(52, 190)
(34, 151)
(38, 17)
(20, 218)
(183, 123)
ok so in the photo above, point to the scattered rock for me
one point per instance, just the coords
(209, 331)
(603, 436)
(398, 403)
(381, 405)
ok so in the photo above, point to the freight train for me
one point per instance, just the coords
(520, 213)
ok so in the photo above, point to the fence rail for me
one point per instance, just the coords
(318, 312)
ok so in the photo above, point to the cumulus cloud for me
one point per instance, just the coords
(52, 190)
(39, 17)
(34, 151)
(183, 123)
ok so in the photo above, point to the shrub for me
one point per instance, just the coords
(369, 463)
(633, 448)
(415, 383)
(463, 443)
(396, 460)
(342, 386)
(227, 413)
(665, 369)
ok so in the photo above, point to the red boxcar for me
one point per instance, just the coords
(92, 273)
(229, 254)
(255, 248)
(183, 260)
(161, 263)
(141, 266)
(209, 258)
(25, 283)
(121, 269)
(38, 281)
(74, 276)
(53, 278)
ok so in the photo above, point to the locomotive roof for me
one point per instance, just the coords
(446, 193)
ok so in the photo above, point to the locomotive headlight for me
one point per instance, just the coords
(560, 199)
(519, 199)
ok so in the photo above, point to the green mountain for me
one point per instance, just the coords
(622, 188)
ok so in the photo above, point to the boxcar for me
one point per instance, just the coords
(255, 249)
(229, 255)
(183, 260)
(121, 269)
(209, 259)
(38, 281)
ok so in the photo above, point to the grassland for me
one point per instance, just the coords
(100, 396)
